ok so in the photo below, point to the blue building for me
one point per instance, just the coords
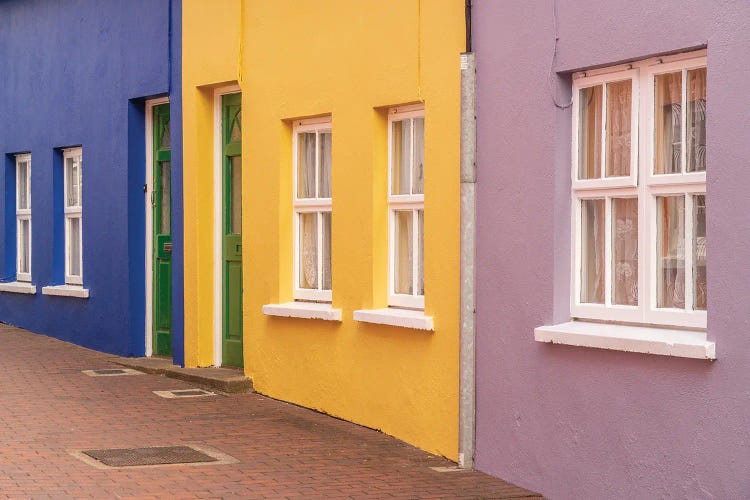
(91, 193)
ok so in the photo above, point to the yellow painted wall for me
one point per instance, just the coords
(352, 60)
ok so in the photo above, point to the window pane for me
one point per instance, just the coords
(308, 250)
(592, 251)
(73, 182)
(420, 241)
(417, 181)
(74, 246)
(326, 216)
(24, 246)
(22, 192)
(166, 198)
(619, 107)
(590, 133)
(306, 165)
(696, 120)
(700, 289)
(667, 123)
(400, 168)
(625, 251)
(166, 137)
(324, 179)
(670, 243)
(235, 195)
(403, 252)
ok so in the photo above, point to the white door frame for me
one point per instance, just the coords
(218, 214)
(150, 220)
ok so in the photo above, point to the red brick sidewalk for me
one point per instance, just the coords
(49, 408)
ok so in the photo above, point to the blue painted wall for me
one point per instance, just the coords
(78, 73)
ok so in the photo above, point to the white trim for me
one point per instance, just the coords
(304, 310)
(313, 205)
(646, 190)
(218, 282)
(603, 181)
(628, 338)
(73, 213)
(150, 104)
(404, 202)
(23, 214)
(66, 291)
(404, 318)
(18, 287)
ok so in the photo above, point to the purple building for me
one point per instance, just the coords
(613, 350)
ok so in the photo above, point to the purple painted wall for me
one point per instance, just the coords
(586, 423)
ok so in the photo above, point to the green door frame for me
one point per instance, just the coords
(161, 206)
(231, 231)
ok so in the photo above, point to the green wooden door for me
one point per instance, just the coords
(161, 202)
(232, 229)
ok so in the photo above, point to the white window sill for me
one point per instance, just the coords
(66, 291)
(405, 318)
(662, 341)
(18, 287)
(304, 310)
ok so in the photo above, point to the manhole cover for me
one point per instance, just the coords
(184, 393)
(112, 372)
(162, 455)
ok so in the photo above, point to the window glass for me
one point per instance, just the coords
(306, 165)
(592, 251)
(625, 251)
(418, 163)
(24, 243)
(324, 170)
(668, 123)
(400, 163)
(404, 254)
(670, 241)
(73, 182)
(166, 197)
(308, 251)
(23, 185)
(696, 120)
(326, 216)
(590, 132)
(235, 195)
(420, 241)
(74, 248)
(700, 285)
(618, 139)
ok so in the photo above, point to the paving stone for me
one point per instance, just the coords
(51, 410)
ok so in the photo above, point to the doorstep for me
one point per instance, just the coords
(223, 379)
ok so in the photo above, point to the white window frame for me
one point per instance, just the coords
(75, 212)
(643, 184)
(400, 202)
(310, 205)
(23, 214)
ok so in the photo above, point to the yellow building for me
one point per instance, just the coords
(332, 275)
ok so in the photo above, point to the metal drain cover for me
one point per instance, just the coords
(184, 393)
(112, 372)
(162, 455)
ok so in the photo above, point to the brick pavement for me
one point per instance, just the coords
(49, 408)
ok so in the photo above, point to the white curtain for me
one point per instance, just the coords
(619, 108)
(625, 251)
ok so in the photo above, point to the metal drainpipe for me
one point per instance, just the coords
(467, 382)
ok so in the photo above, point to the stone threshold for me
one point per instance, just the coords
(228, 380)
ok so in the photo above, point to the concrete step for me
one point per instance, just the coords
(223, 379)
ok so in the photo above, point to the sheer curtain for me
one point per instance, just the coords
(625, 251)
(324, 191)
(308, 221)
(668, 123)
